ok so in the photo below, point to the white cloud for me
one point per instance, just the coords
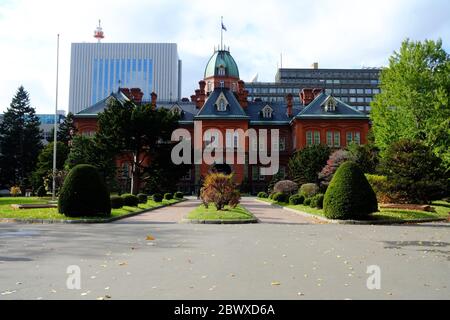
(345, 33)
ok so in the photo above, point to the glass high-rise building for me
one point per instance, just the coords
(97, 69)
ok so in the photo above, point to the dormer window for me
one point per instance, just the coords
(330, 104)
(221, 71)
(176, 109)
(222, 103)
(222, 84)
(267, 112)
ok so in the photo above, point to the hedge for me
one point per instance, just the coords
(263, 195)
(130, 200)
(157, 197)
(296, 199)
(168, 196)
(116, 202)
(142, 198)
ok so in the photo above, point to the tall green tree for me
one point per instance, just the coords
(135, 130)
(66, 130)
(305, 165)
(414, 102)
(44, 166)
(20, 141)
(86, 150)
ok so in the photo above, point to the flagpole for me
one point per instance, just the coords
(55, 128)
(221, 33)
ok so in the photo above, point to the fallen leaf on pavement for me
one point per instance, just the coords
(150, 238)
(276, 283)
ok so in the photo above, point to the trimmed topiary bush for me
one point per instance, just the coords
(286, 186)
(142, 198)
(179, 195)
(116, 202)
(349, 195)
(157, 197)
(281, 197)
(317, 201)
(84, 193)
(130, 200)
(309, 190)
(168, 196)
(271, 196)
(263, 195)
(296, 199)
(41, 192)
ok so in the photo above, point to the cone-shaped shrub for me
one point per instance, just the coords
(349, 195)
(84, 193)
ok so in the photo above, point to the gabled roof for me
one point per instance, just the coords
(209, 109)
(102, 104)
(316, 110)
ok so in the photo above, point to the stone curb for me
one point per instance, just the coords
(248, 221)
(355, 222)
(84, 221)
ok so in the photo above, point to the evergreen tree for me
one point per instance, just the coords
(20, 141)
(414, 102)
(305, 165)
(137, 130)
(44, 165)
(66, 130)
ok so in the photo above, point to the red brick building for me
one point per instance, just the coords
(221, 103)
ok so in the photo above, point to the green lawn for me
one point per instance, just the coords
(211, 213)
(442, 211)
(52, 213)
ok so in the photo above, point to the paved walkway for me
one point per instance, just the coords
(172, 214)
(266, 213)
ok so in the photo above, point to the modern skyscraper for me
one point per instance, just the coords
(97, 69)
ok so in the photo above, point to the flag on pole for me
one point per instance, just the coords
(223, 27)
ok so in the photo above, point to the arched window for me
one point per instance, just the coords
(267, 112)
(221, 106)
(221, 71)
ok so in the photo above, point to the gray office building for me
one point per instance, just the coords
(97, 69)
(356, 87)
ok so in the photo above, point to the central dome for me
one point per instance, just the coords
(221, 60)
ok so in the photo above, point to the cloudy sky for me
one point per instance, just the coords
(337, 34)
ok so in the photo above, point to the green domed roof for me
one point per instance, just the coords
(219, 59)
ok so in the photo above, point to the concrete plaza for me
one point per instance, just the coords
(275, 259)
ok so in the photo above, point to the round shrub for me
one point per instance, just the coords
(168, 196)
(263, 195)
(307, 202)
(142, 198)
(317, 201)
(280, 197)
(41, 192)
(271, 196)
(130, 200)
(178, 195)
(116, 202)
(84, 193)
(349, 195)
(157, 197)
(286, 186)
(296, 199)
(309, 190)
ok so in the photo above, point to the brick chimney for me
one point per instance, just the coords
(306, 96)
(289, 99)
(154, 97)
(137, 95)
(202, 93)
(242, 94)
(198, 102)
